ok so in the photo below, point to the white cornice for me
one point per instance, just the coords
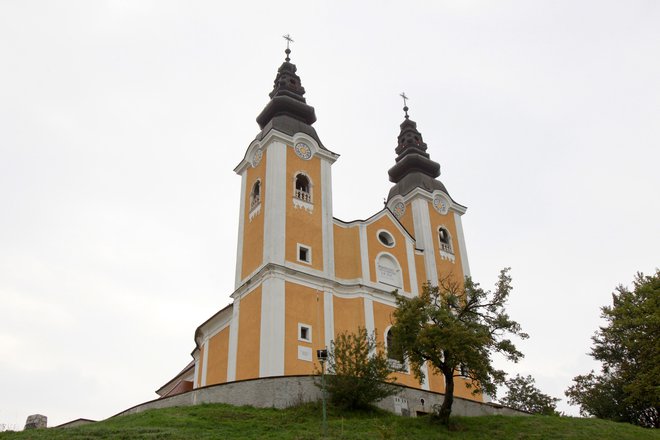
(424, 194)
(212, 326)
(315, 279)
(274, 135)
(374, 218)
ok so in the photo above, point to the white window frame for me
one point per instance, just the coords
(253, 205)
(309, 332)
(388, 233)
(311, 187)
(444, 254)
(399, 270)
(309, 253)
(451, 241)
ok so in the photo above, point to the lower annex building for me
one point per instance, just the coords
(302, 275)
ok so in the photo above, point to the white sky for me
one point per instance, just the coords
(121, 123)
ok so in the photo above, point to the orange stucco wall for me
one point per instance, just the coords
(249, 328)
(348, 264)
(216, 369)
(407, 219)
(253, 230)
(399, 249)
(302, 226)
(382, 320)
(445, 267)
(460, 390)
(421, 271)
(348, 314)
(302, 305)
(436, 381)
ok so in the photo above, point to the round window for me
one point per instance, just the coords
(386, 238)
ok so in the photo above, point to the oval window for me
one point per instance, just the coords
(386, 238)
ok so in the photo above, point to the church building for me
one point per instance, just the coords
(302, 275)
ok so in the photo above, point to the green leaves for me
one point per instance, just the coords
(628, 388)
(523, 394)
(359, 371)
(458, 323)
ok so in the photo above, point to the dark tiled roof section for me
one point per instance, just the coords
(289, 125)
(288, 111)
(414, 168)
(416, 180)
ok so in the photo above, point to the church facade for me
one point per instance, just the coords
(304, 276)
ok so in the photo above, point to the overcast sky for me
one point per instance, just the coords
(121, 123)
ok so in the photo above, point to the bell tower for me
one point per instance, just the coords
(285, 216)
(423, 205)
(285, 229)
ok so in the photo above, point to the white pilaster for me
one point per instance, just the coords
(424, 236)
(461, 245)
(271, 340)
(233, 341)
(364, 255)
(205, 360)
(369, 315)
(275, 203)
(196, 379)
(425, 381)
(326, 218)
(241, 226)
(328, 318)
(412, 269)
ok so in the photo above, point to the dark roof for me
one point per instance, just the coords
(414, 167)
(289, 125)
(288, 111)
(414, 180)
(187, 368)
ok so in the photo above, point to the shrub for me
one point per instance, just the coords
(358, 371)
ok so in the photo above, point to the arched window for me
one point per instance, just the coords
(303, 188)
(445, 240)
(393, 352)
(388, 270)
(255, 194)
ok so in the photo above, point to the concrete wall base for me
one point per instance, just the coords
(286, 391)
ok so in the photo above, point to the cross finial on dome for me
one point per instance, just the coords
(288, 39)
(405, 107)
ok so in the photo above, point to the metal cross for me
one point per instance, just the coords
(405, 98)
(288, 39)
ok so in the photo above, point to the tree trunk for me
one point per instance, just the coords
(445, 409)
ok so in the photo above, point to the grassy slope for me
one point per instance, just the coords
(223, 421)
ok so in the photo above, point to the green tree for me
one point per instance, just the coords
(457, 327)
(523, 394)
(359, 372)
(628, 346)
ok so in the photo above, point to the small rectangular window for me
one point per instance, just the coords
(304, 254)
(304, 332)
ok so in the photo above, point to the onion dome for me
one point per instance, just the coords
(287, 111)
(414, 167)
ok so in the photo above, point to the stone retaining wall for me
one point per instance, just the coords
(286, 391)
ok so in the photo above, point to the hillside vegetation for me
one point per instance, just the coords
(227, 422)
